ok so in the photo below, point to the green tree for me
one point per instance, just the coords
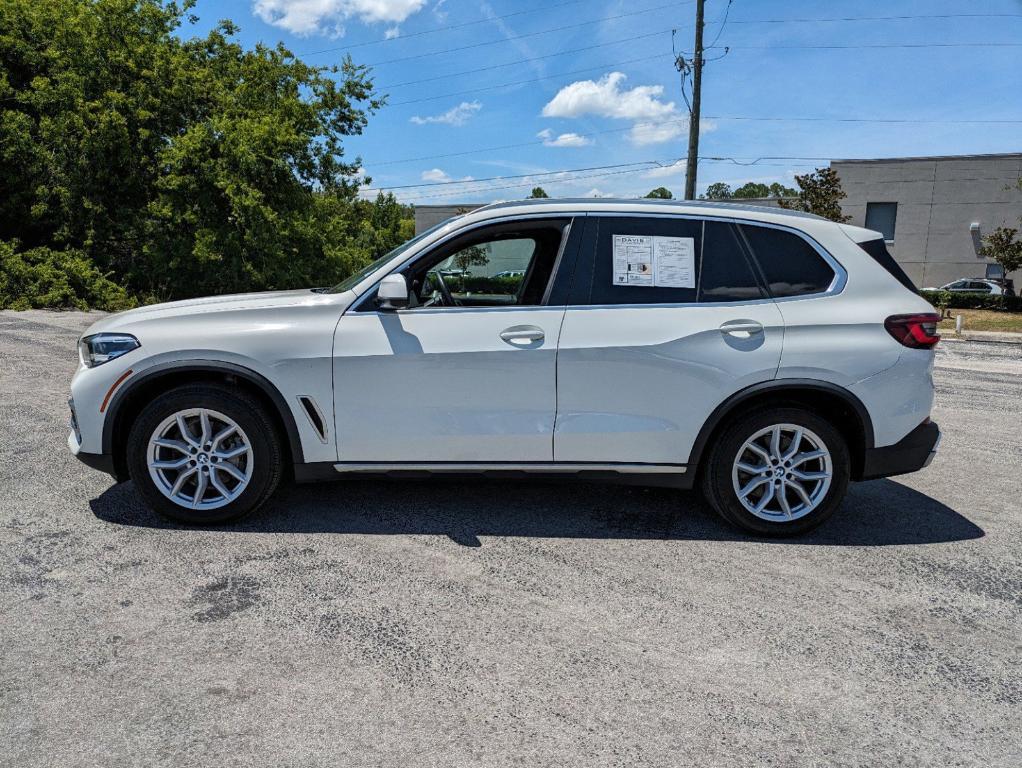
(820, 192)
(1001, 246)
(779, 190)
(179, 165)
(755, 189)
(752, 189)
(537, 192)
(718, 191)
(660, 193)
(749, 190)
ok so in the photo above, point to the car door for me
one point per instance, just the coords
(670, 320)
(465, 373)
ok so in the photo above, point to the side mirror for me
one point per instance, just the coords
(392, 293)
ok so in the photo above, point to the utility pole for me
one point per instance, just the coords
(697, 84)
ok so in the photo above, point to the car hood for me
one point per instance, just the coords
(268, 300)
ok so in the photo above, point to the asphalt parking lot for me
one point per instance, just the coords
(491, 624)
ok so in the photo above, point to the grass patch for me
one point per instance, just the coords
(984, 320)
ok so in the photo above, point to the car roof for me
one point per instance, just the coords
(633, 205)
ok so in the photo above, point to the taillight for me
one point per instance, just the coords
(916, 331)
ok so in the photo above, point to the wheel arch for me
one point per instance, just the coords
(129, 400)
(836, 403)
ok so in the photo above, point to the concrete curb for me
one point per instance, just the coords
(985, 337)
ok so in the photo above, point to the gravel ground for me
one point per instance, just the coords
(490, 624)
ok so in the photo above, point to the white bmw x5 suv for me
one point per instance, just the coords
(769, 357)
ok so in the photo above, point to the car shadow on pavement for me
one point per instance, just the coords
(877, 513)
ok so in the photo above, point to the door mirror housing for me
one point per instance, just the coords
(392, 293)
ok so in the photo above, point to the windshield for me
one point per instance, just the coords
(366, 271)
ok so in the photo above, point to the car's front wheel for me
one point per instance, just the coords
(777, 472)
(202, 453)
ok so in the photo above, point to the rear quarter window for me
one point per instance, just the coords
(791, 266)
(877, 249)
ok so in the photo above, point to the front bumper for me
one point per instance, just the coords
(103, 462)
(910, 454)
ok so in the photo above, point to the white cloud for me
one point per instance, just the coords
(458, 115)
(438, 175)
(327, 17)
(605, 97)
(655, 121)
(594, 192)
(564, 140)
(392, 32)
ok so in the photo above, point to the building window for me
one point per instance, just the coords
(881, 217)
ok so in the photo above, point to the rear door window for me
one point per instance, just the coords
(726, 273)
(791, 266)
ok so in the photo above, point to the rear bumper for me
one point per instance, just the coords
(910, 454)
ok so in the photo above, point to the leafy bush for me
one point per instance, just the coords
(41, 278)
(963, 300)
(480, 284)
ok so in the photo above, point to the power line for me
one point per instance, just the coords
(524, 82)
(723, 24)
(449, 75)
(545, 8)
(445, 28)
(878, 121)
(881, 18)
(509, 38)
(509, 84)
(518, 176)
(877, 45)
(523, 184)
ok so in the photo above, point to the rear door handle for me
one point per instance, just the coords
(518, 335)
(741, 328)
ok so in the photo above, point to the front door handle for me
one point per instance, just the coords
(519, 335)
(741, 329)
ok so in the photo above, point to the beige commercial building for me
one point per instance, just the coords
(934, 211)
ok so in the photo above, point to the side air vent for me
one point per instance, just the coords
(315, 415)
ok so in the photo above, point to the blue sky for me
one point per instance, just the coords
(591, 84)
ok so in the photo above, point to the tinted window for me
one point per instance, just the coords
(726, 274)
(634, 263)
(882, 218)
(792, 266)
(878, 250)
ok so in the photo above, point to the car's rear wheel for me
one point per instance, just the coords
(777, 472)
(204, 454)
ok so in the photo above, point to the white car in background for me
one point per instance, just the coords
(975, 285)
(768, 357)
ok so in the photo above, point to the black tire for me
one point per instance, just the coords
(247, 412)
(718, 484)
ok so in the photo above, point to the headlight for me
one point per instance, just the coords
(103, 347)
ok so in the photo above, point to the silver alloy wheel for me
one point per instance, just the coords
(200, 459)
(782, 472)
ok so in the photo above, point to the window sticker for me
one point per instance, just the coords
(647, 260)
(633, 260)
